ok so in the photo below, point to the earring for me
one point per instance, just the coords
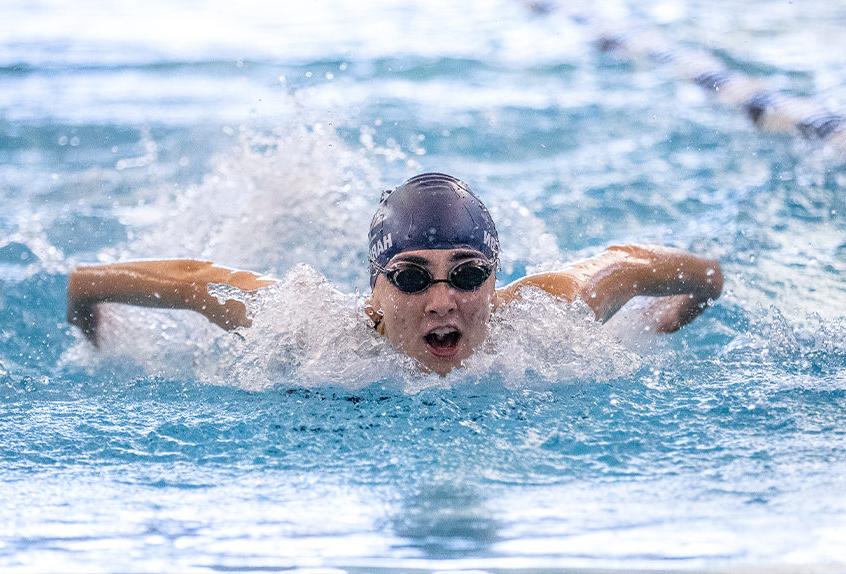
(374, 315)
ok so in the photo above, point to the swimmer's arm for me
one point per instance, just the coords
(167, 284)
(684, 281)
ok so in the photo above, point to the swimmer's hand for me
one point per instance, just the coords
(166, 284)
(669, 314)
(86, 317)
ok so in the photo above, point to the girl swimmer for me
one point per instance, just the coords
(433, 257)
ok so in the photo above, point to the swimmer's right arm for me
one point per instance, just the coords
(167, 284)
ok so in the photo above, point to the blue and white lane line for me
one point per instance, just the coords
(768, 109)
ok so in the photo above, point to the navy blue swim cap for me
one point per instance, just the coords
(430, 211)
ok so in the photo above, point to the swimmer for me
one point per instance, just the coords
(433, 256)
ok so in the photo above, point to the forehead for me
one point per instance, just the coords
(429, 257)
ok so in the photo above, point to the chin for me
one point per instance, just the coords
(441, 365)
(440, 369)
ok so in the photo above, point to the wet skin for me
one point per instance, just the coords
(441, 326)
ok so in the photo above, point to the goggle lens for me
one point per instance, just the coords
(469, 276)
(410, 279)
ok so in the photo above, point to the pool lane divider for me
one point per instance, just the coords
(768, 109)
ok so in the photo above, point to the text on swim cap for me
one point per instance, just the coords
(491, 242)
(380, 246)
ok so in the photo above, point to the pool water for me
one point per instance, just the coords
(261, 137)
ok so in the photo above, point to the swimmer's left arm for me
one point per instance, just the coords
(685, 283)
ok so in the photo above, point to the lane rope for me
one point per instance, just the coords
(768, 109)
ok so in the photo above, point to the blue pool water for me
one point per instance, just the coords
(261, 137)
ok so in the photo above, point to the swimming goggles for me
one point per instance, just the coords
(412, 278)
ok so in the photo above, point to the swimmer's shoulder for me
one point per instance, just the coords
(561, 284)
(571, 282)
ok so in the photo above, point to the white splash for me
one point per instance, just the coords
(308, 333)
(298, 194)
(803, 348)
(551, 339)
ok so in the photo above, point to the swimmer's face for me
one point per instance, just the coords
(441, 326)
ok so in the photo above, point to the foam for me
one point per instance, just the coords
(308, 333)
(541, 336)
(295, 194)
(804, 348)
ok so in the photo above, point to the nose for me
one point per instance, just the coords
(440, 300)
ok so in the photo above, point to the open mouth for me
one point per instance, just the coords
(443, 341)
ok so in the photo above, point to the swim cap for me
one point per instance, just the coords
(429, 211)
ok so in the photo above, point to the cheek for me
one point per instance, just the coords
(479, 304)
(477, 309)
(401, 316)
